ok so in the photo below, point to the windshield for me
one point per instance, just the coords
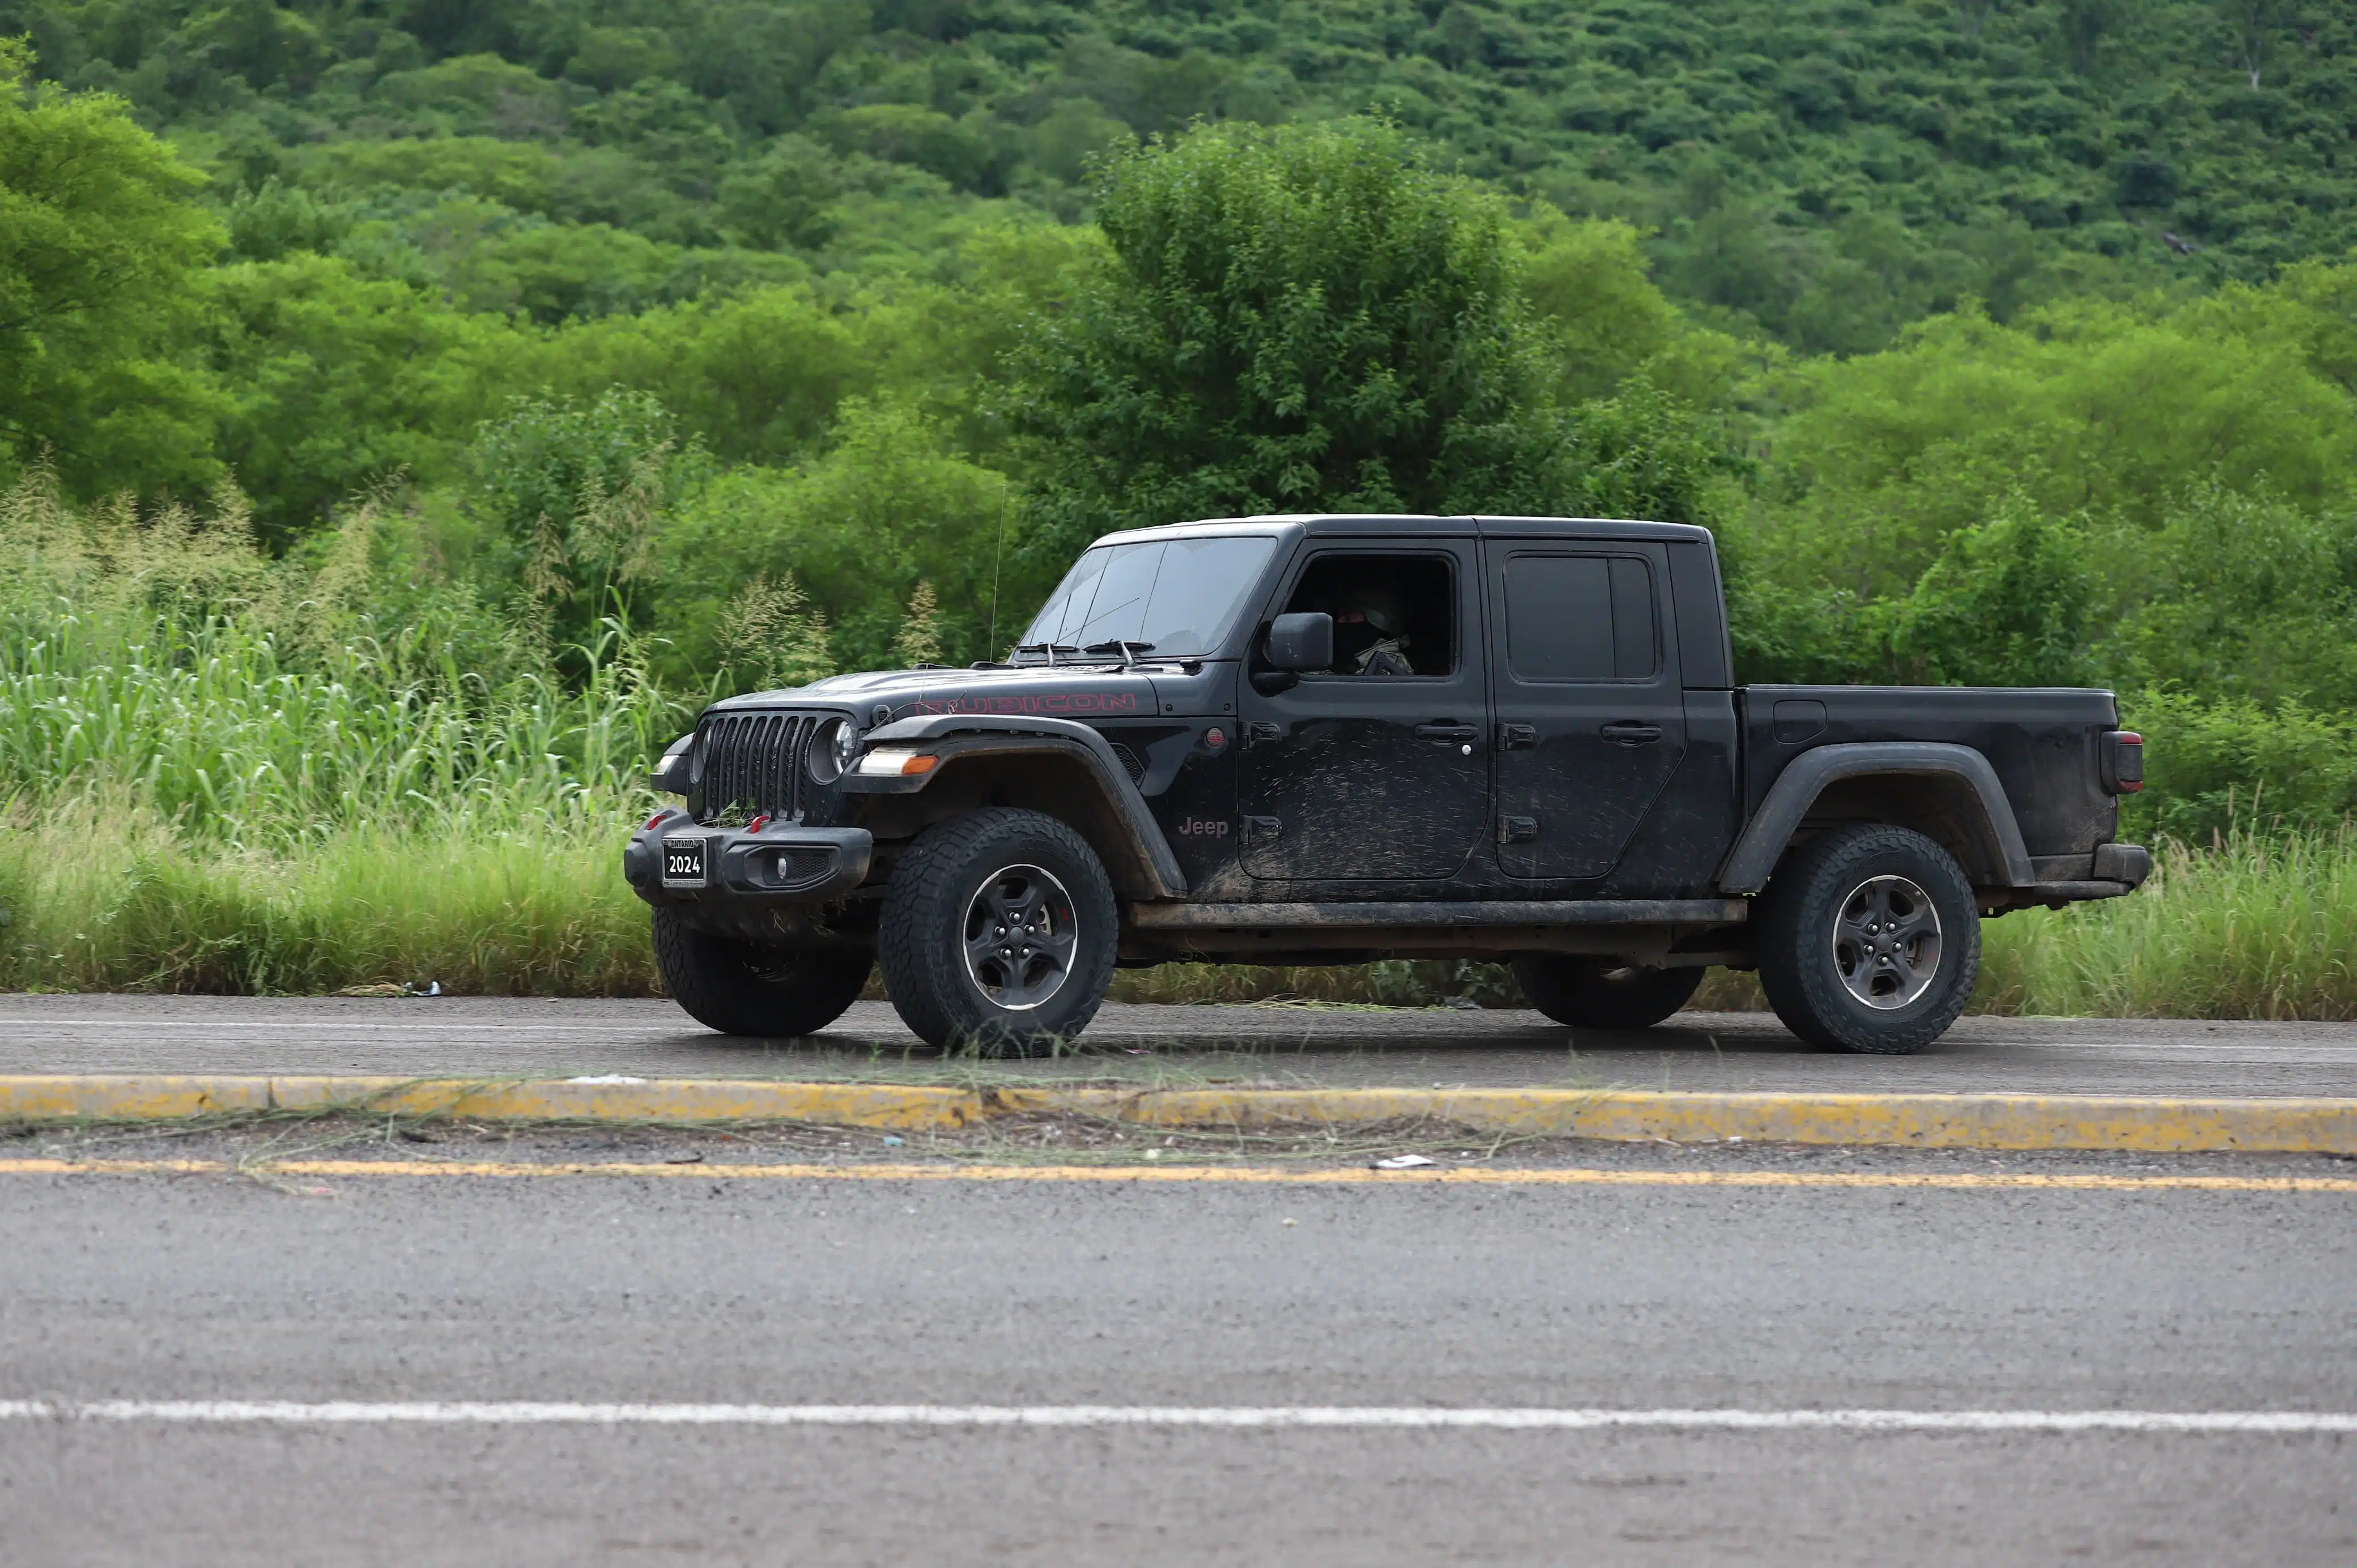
(1177, 596)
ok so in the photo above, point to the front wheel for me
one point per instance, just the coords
(745, 988)
(1870, 940)
(999, 933)
(1597, 993)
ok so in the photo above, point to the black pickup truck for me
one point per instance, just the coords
(1333, 739)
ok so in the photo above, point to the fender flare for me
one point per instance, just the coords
(996, 735)
(1748, 865)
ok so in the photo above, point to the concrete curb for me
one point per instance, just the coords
(1900, 1121)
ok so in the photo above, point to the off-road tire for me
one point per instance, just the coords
(743, 988)
(1795, 922)
(1597, 994)
(922, 938)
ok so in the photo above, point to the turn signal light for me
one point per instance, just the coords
(894, 759)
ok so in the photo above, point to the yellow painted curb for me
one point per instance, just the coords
(1175, 1175)
(1903, 1121)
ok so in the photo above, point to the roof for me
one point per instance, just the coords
(1363, 524)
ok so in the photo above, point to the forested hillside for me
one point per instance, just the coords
(1823, 170)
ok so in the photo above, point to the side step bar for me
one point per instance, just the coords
(1398, 916)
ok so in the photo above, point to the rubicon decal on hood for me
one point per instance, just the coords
(1029, 702)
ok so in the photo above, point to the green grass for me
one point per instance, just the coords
(101, 894)
(2253, 926)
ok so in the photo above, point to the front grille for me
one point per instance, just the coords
(752, 765)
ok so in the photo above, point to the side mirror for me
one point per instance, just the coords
(1301, 642)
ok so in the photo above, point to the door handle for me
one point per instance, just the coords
(1513, 738)
(1259, 732)
(1628, 731)
(1446, 731)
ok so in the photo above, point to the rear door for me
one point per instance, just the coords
(1590, 714)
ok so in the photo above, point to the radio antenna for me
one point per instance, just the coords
(990, 647)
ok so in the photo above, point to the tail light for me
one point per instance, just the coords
(2123, 762)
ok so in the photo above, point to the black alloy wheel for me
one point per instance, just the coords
(998, 934)
(1869, 940)
(1021, 938)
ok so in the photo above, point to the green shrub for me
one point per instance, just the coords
(2223, 769)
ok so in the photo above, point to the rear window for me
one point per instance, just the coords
(1579, 618)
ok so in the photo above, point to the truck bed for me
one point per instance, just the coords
(2043, 742)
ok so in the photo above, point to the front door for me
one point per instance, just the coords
(1377, 768)
(1591, 715)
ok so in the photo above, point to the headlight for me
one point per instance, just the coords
(832, 751)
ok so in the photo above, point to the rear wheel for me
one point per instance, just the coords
(1869, 940)
(1597, 994)
(998, 933)
(746, 988)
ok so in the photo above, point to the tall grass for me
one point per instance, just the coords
(224, 773)
(2255, 926)
(103, 895)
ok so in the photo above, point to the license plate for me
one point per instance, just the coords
(682, 864)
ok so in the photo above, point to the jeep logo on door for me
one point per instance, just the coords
(1202, 828)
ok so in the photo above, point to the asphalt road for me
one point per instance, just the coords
(1696, 1050)
(867, 1291)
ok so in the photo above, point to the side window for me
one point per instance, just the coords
(1579, 618)
(1394, 614)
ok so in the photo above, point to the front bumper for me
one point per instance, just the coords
(779, 864)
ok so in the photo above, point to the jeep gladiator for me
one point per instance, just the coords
(1332, 739)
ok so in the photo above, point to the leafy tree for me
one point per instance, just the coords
(1644, 453)
(2087, 407)
(2237, 596)
(2085, 23)
(331, 382)
(1303, 317)
(2005, 605)
(99, 245)
(1589, 281)
(786, 199)
(2216, 765)
(888, 509)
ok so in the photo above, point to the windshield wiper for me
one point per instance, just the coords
(1121, 649)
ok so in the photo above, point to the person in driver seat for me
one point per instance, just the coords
(1370, 633)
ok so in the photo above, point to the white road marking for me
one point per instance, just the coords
(439, 1413)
